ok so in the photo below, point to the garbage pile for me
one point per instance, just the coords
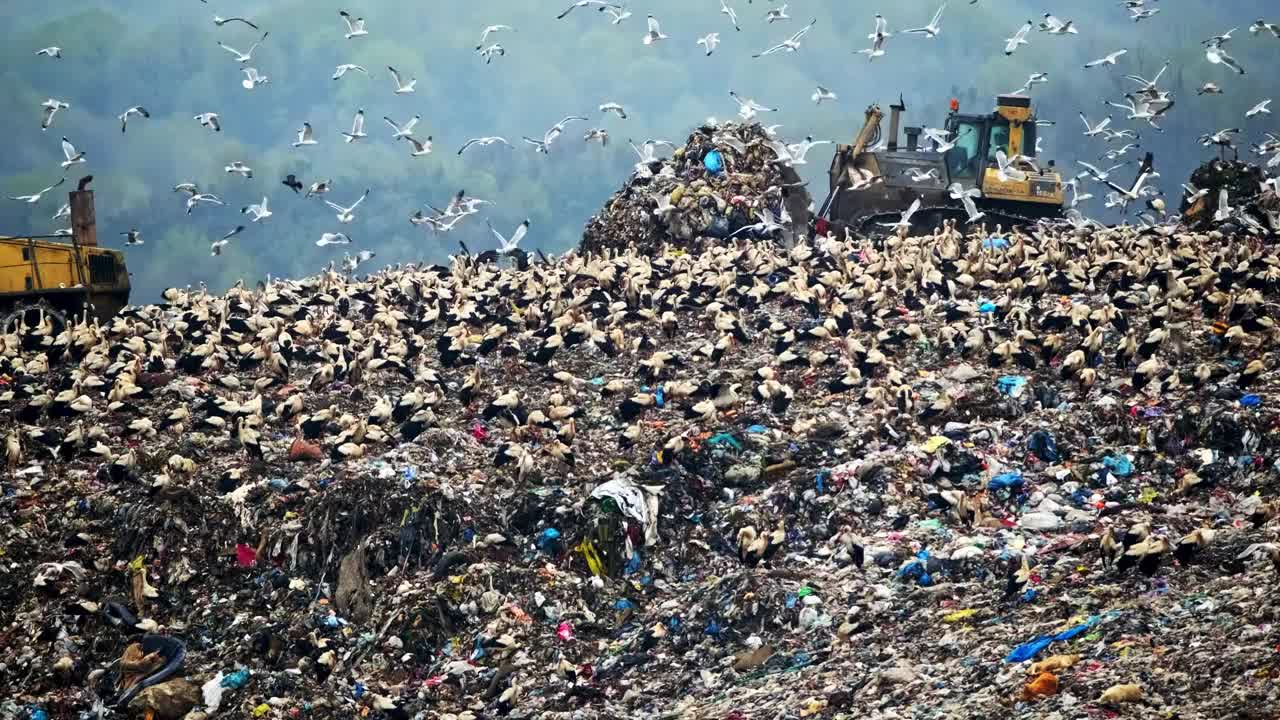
(1251, 202)
(718, 185)
(942, 477)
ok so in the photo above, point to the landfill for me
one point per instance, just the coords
(943, 476)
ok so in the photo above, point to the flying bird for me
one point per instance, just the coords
(209, 120)
(779, 13)
(483, 142)
(933, 28)
(584, 3)
(247, 56)
(305, 136)
(137, 110)
(292, 183)
(614, 108)
(220, 21)
(333, 239)
(420, 147)
(35, 198)
(791, 44)
(402, 88)
(357, 128)
(822, 94)
(402, 131)
(709, 42)
(1054, 26)
(731, 14)
(1094, 130)
(346, 215)
(343, 69)
(239, 168)
(1259, 109)
(259, 211)
(51, 52)
(69, 152)
(494, 50)
(133, 237)
(355, 28)
(51, 108)
(507, 246)
(1019, 39)
(1108, 59)
(252, 78)
(544, 145)
(748, 107)
(654, 33)
(484, 35)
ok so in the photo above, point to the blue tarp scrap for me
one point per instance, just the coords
(1031, 648)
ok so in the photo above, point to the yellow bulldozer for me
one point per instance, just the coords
(43, 275)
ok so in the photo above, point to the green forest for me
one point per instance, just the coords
(166, 58)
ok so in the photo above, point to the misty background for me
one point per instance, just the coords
(164, 56)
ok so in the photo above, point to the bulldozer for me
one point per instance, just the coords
(871, 186)
(42, 278)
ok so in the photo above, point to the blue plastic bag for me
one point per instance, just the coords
(1006, 480)
(1028, 650)
(1011, 385)
(1251, 400)
(1119, 465)
(986, 306)
(1043, 445)
(713, 162)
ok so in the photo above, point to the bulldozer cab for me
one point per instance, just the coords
(1010, 129)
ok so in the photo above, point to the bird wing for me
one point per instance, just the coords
(518, 235)
(653, 25)
(347, 19)
(804, 31)
(335, 206)
(906, 216)
(231, 50)
(68, 149)
(396, 76)
(392, 123)
(466, 145)
(495, 232)
(362, 197)
(357, 124)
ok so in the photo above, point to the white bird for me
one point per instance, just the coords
(333, 239)
(50, 108)
(1098, 173)
(1094, 130)
(220, 21)
(1224, 211)
(822, 94)
(1054, 26)
(597, 134)
(484, 35)
(319, 187)
(63, 212)
(1259, 109)
(135, 110)
(420, 147)
(1019, 39)
(52, 51)
(355, 28)
(654, 33)
(305, 136)
(799, 150)
(1209, 88)
(209, 120)
(614, 108)
(1258, 26)
(709, 42)
(1217, 56)
(402, 88)
(133, 237)
(905, 221)
(933, 28)
(1109, 59)
(767, 226)
(344, 68)
(776, 14)
(731, 13)
(243, 57)
(505, 245)
(259, 211)
(72, 157)
(492, 51)
(357, 128)
(1005, 169)
(1194, 194)
(584, 3)
(215, 247)
(748, 107)
(483, 142)
(252, 78)
(35, 198)
(1034, 79)
(616, 13)
(402, 131)
(239, 168)
(346, 215)
(791, 44)
(549, 137)
(920, 176)
(198, 198)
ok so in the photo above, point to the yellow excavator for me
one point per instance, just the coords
(873, 183)
(40, 276)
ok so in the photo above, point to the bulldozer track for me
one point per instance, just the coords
(868, 224)
(17, 315)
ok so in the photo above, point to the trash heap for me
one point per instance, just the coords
(711, 188)
(939, 477)
(1256, 207)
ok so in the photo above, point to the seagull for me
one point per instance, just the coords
(402, 131)
(344, 68)
(1076, 196)
(239, 168)
(877, 38)
(1209, 89)
(1019, 38)
(292, 182)
(1224, 210)
(1116, 154)
(319, 187)
(357, 127)
(63, 212)
(1113, 135)
(238, 229)
(220, 21)
(585, 3)
(933, 28)
(1257, 27)
(33, 199)
(905, 222)
(748, 107)
(1094, 130)
(647, 154)
(1139, 14)
(333, 239)
(215, 247)
(822, 94)
(347, 214)
(1005, 170)
(544, 145)
(940, 140)
(209, 120)
(767, 226)
(484, 35)
(731, 13)
(1097, 173)
(654, 33)
(252, 78)
(800, 149)
(709, 42)
(1259, 109)
(483, 142)
(51, 108)
(597, 134)
(243, 57)
(72, 157)
(133, 237)
(135, 110)
(305, 136)
(1109, 59)
(494, 50)
(508, 246)
(966, 198)
(259, 211)
(1217, 56)
(56, 52)
(420, 147)
(1032, 80)
(791, 44)
(355, 28)
(402, 88)
(614, 108)
(1194, 194)
(776, 14)
(616, 13)
(919, 176)
(1222, 138)
(1054, 26)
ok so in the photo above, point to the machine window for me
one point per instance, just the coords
(102, 269)
(962, 160)
(999, 141)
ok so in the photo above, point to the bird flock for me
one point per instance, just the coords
(1147, 103)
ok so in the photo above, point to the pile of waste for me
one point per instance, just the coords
(1251, 202)
(719, 184)
(940, 477)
